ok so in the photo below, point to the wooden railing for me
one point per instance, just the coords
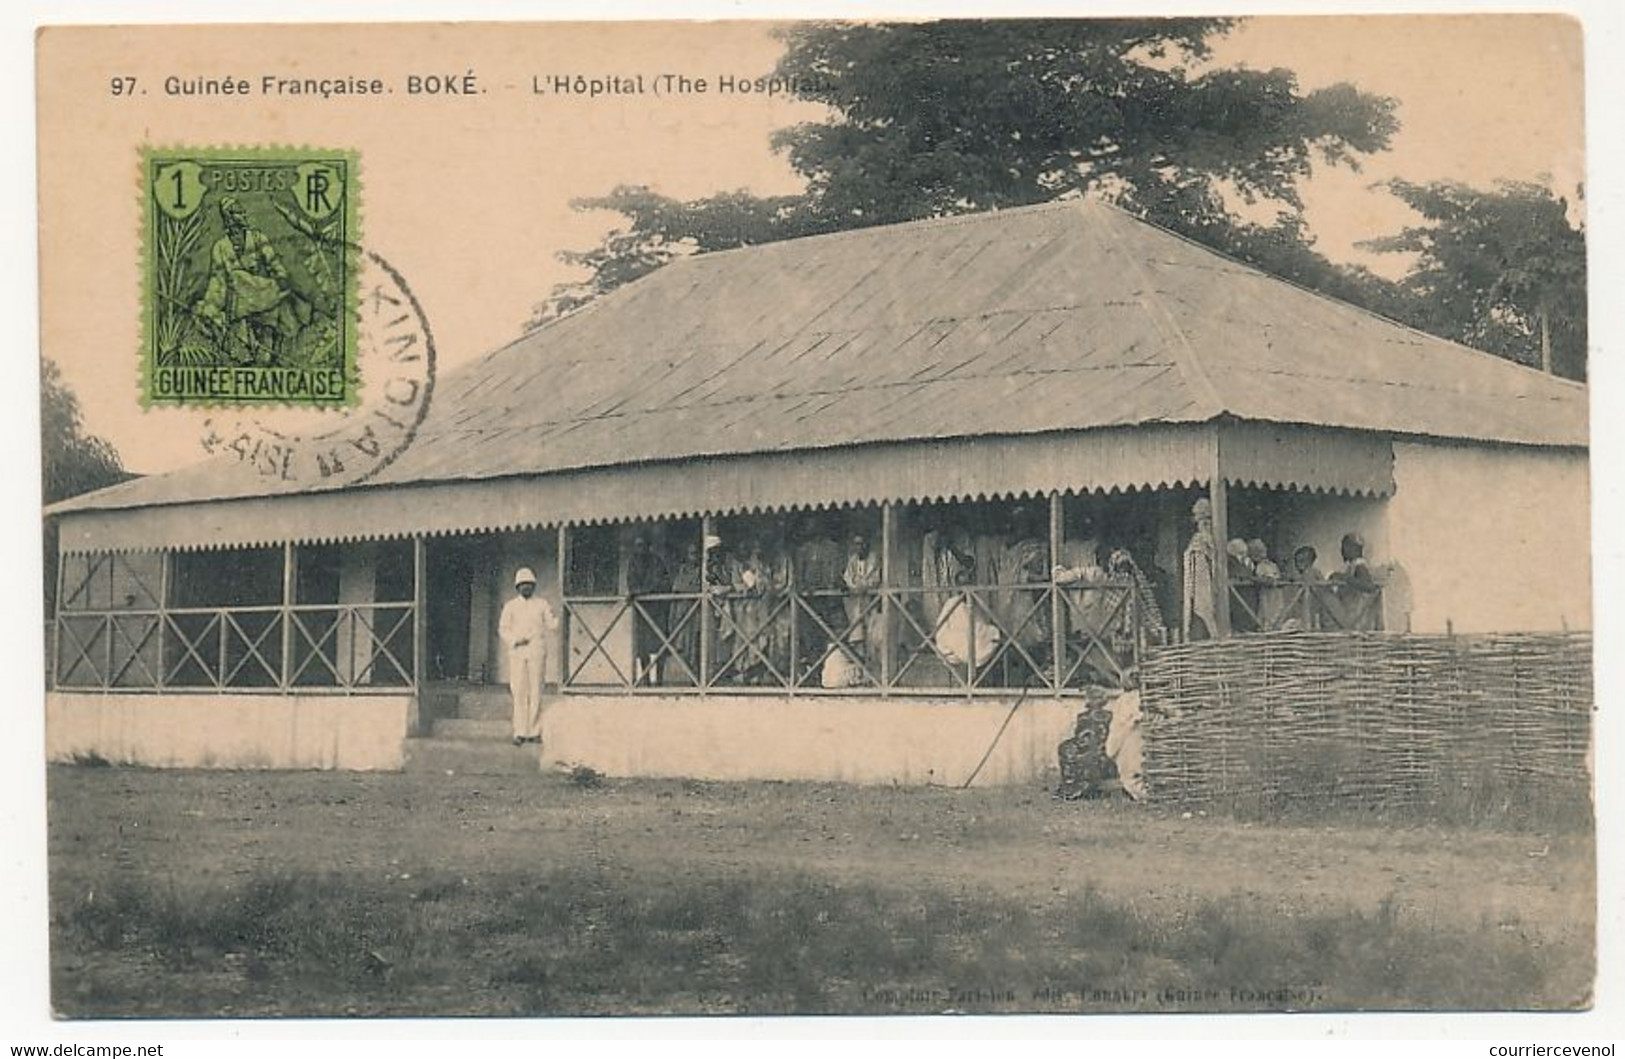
(1306, 606)
(905, 640)
(351, 648)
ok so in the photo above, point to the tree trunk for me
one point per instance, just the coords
(1545, 341)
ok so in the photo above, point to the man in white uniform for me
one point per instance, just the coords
(527, 624)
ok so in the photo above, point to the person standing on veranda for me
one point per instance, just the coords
(1198, 614)
(526, 625)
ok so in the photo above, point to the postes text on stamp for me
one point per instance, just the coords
(249, 277)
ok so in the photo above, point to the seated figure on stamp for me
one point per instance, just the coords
(249, 304)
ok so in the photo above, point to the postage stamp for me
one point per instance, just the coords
(249, 267)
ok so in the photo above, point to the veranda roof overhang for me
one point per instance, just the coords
(1093, 461)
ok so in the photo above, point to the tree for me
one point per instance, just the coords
(1501, 270)
(951, 117)
(74, 462)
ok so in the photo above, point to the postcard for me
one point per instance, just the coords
(950, 516)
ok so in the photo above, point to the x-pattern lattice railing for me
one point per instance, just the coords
(1320, 605)
(893, 638)
(1096, 618)
(310, 647)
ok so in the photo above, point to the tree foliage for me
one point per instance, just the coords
(948, 117)
(945, 117)
(74, 462)
(1501, 270)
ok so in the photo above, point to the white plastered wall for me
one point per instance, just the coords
(226, 730)
(900, 740)
(1492, 538)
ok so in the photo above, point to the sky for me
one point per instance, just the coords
(471, 201)
(1481, 98)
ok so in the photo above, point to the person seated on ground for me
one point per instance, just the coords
(1124, 746)
(1086, 769)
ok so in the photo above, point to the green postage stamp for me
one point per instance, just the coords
(249, 259)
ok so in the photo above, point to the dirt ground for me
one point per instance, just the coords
(1016, 842)
(199, 826)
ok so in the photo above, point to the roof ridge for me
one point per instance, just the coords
(947, 220)
(1186, 360)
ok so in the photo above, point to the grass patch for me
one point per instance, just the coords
(1561, 809)
(586, 777)
(587, 941)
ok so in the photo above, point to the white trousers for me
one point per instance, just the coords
(526, 669)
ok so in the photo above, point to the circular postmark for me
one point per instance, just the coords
(335, 447)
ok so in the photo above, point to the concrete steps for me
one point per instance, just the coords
(487, 704)
(476, 728)
(471, 734)
(472, 757)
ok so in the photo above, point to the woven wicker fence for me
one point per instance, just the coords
(1431, 726)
